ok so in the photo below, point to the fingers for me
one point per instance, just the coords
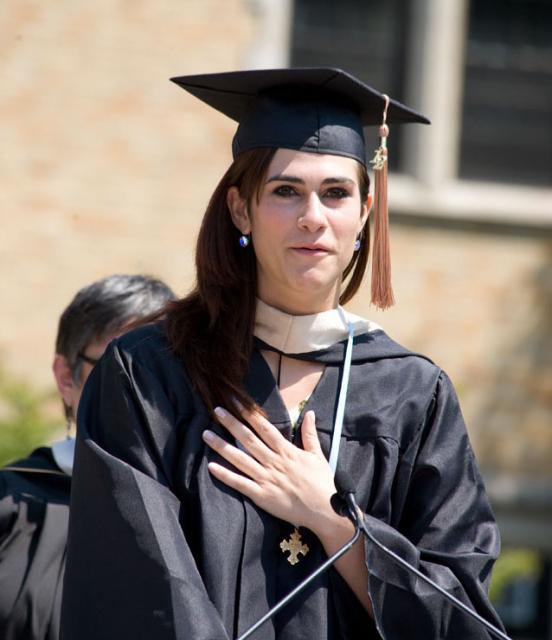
(239, 459)
(309, 435)
(267, 432)
(244, 485)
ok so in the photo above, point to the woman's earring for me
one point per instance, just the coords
(244, 241)
(356, 246)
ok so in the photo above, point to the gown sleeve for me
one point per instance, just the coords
(33, 533)
(130, 572)
(446, 530)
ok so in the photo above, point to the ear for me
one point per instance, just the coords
(238, 210)
(64, 378)
(365, 211)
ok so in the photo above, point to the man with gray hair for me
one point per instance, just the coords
(34, 492)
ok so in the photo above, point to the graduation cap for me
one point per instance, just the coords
(317, 110)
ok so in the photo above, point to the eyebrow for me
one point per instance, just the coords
(282, 177)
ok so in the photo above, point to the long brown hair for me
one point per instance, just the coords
(212, 327)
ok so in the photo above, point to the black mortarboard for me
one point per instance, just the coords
(320, 110)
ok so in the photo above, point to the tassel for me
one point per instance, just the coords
(382, 290)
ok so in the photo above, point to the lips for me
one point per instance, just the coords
(312, 252)
(311, 248)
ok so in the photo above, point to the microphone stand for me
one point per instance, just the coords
(357, 517)
(342, 550)
(361, 523)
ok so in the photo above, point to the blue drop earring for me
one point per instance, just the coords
(244, 241)
(356, 246)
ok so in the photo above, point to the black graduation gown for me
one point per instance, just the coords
(34, 514)
(159, 549)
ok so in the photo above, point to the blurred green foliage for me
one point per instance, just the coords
(512, 565)
(25, 422)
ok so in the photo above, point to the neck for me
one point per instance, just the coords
(301, 304)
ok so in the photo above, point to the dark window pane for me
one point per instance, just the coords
(507, 111)
(364, 37)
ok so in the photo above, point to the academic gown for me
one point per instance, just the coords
(158, 548)
(34, 513)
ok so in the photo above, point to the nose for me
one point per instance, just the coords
(312, 216)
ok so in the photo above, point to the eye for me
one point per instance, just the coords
(337, 193)
(285, 191)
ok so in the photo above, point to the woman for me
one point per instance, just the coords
(208, 443)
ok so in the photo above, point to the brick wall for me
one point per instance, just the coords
(105, 166)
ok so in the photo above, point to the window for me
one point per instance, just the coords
(364, 37)
(507, 105)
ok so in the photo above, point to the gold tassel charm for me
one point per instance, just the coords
(380, 159)
(294, 546)
(382, 290)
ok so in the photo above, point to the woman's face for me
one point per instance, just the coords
(303, 228)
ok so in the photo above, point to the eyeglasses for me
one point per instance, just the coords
(89, 359)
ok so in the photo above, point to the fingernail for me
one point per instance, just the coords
(220, 412)
(208, 435)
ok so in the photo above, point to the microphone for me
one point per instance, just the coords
(347, 500)
(343, 502)
(341, 507)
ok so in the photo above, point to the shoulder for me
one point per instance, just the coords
(39, 460)
(422, 389)
(396, 386)
(143, 364)
(143, 342)
(143, 348)
(36, 475)
(385, 354)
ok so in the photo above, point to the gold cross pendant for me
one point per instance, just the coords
(294, 546)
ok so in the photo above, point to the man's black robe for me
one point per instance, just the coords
(159, 549)
(34, 513)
